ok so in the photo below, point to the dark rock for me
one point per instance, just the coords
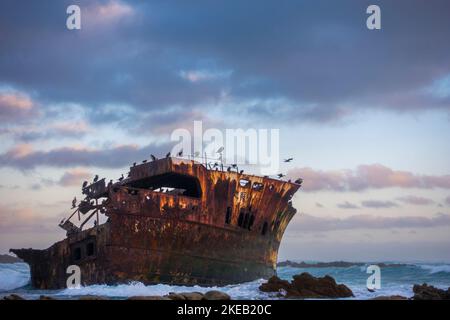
(175, 296)
(47, 298)
(394, 297)
(306, 286)
(192, 295)
(335, 264)
(148, 298)
(90, 297)
(6, 258)
(216, 295)
(13, 296)
(426, 292)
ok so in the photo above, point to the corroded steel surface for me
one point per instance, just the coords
(225, 228)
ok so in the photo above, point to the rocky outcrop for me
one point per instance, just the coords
(6, 258)
(216, 295)
(148, 298)
(335, 264)
(92, 297)
(394, 297)
(307, 286)
(13, 296)
(426, 292)
(210, 295)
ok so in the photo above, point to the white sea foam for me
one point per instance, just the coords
(247, 290)
(13, 275)
(435, 268)
(398, 281)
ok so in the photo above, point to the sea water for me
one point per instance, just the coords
(396, 280)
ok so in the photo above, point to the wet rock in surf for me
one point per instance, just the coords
(307, 286)
(426, 292)
(148, 298)
(13, 296)
(394, 297)
(216, 295)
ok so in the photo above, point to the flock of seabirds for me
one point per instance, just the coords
(210, 165)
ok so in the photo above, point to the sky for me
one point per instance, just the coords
(364, 113)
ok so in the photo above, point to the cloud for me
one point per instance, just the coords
(309, 223)
(375, 176)
(57, 130)
(24, 157)
(139, 62)
(107, 14)
(378, 204)
(15, 105)
(347, 205)
(15, 219)
(74, 177)
(415, 200)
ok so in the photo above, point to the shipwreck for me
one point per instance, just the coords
(171, 220)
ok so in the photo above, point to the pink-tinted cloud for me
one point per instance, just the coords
(107, 14)
(415, 200)
(74, 177)
(25, 157)
(14, 105)
(15, 219)
(374, 176)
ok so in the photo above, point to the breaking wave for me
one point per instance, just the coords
(14, 275)
(444, 268)
(399, 280)
(247, 290)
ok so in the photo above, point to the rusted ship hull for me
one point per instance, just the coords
(221, 233)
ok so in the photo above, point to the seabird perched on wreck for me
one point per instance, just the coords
(156, 223)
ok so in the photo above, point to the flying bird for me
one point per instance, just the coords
(288, 159)
(220, 149)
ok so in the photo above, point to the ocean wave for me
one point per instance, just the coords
(433, 268)
(247, 290)
(14, 275)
